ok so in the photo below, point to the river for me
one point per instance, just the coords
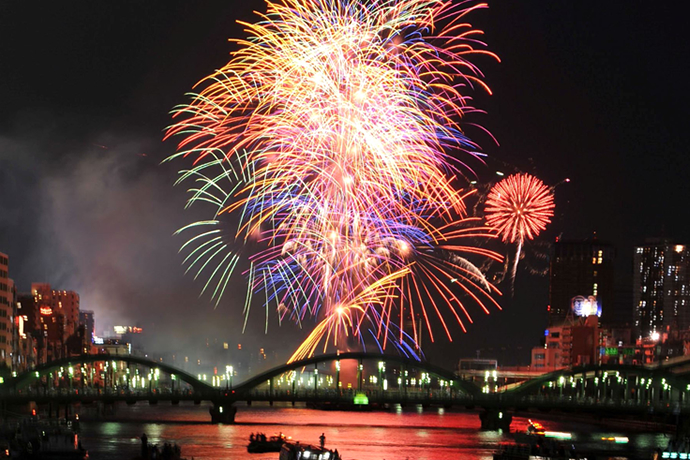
(413, 433)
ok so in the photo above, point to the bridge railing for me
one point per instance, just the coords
(96, 392)
(492, 400)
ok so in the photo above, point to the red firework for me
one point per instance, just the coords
(519, 207)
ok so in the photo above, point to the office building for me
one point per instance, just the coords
(29, 338)
(660, 288)
(55, 319)
(6, 306)
(580, 270)
(56, 303)
(86, 319)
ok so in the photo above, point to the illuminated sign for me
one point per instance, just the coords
(20, 326)
(361, 399)
(125, 329)
(614, 351)
(585, 306)
(611, 351)
(46, 311)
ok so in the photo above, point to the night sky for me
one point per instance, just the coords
(588, 90)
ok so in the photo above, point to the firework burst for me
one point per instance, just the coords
(519, 207)
(324, 141)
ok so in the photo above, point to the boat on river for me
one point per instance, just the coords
(537, 443)
(260, 444)
(297, 451)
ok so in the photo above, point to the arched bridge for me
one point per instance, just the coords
(604, 376)
(42, 370)
(381, 379)
(111, 378)
(439, 373)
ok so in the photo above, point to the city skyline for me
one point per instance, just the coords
(89, 209)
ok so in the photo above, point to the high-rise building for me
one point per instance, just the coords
(86, 319)
(580, 270)
(6, 301)
(661, 286)
(63, 303)
(29, 337)
(58, 318)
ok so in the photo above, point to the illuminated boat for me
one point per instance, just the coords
(537, 443)
(677, 449)
(672, 455)
(536, 433)
(297, 451)
(535, 428)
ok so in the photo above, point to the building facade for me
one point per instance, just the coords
(6, 307)
(87, 320)
(580, 269)
(55, 318)
(582, 343)
(661, 285)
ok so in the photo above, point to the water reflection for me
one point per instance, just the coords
(402, 433)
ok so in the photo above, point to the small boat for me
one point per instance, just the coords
(297, 451)
(676, 449)
(261, 444)
(169, 451)
(537, 443)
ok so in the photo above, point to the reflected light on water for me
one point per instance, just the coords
(398, 434)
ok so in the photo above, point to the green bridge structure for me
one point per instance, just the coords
(662, 390)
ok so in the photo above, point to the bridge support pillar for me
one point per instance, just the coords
(222, 413)
(495, 419)
(337, 377)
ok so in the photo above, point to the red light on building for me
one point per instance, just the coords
(45, 311)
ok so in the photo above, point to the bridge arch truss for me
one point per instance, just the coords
(74, 365)
(621, 383)
(442, 375)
